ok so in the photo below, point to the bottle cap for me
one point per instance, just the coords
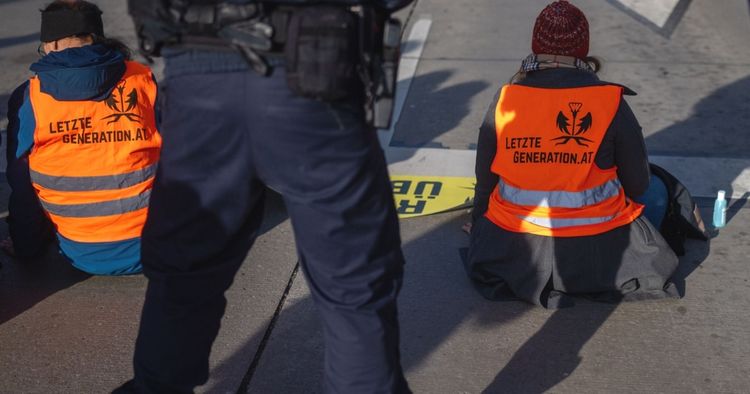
(721, 195)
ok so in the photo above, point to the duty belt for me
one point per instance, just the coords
(240, 26)
(216, 15)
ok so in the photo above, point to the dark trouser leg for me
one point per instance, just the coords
(353, 267)
(332, 174)
(204, 211)
(28, 225)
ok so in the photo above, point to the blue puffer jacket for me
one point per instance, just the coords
(85, 73)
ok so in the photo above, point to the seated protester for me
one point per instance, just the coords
(83, 146)
(560, 158)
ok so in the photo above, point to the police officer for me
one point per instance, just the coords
(249, 103)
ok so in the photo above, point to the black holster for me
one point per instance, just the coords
(322, 52)
(384, 75)
(331, 52)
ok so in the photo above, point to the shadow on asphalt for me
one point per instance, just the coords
(302, 357)
(552, 353)
(274, 212)
(696, 252)
(23, 284)
(738, 204)
(718, 124)
(426, 121)
(15, 40)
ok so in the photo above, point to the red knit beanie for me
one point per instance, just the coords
(561, 29)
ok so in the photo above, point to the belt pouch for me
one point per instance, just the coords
(321, 52)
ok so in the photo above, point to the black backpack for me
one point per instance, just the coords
(682, 219)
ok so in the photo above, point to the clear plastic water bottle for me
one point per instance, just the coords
(720, 210)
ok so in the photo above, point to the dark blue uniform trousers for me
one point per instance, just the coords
(228, 133)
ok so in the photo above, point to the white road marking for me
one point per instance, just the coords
(430, 161)
(406, 70)
(656, 11)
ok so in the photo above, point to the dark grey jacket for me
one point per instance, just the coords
(629, 262)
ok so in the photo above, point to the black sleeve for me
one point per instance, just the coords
(630, 155)
(486, 148)
(28, 225)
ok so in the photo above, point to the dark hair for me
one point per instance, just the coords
(115, 45)
(84, 6)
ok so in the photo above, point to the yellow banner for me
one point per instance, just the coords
(426, 195)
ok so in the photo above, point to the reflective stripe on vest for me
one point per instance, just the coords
(88, 183)
(559, 199)
(562, 223)
(104, 208)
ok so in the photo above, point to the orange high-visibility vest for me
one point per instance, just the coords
(549, 185)
(93, 162)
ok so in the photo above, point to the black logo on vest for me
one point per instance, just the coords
(563, 123)
(117, 102)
